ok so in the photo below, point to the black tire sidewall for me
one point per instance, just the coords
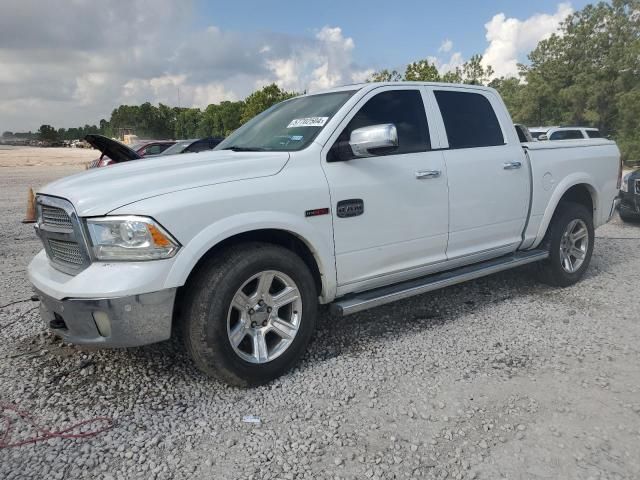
(207, 331)
(556, 273)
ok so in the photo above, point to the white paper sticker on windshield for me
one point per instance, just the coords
(308, 122)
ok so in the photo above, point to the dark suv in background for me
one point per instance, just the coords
(629, 207)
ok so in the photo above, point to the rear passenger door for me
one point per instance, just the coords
(488, 177)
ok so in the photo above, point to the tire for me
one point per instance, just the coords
(553, 271)
(628, 218)
(211, 316)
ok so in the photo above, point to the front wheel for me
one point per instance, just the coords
(570, 240)
(249, 313)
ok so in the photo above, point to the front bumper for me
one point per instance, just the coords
(629, 203)
(127, 321)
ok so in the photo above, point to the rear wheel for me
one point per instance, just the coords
(570, 240)
(249, 313)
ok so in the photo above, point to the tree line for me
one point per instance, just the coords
(162, 121)
(586, 74)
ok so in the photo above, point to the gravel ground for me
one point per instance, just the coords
(497, 378)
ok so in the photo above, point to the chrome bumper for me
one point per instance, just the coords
(110, 322)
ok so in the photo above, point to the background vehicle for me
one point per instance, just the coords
(629, 207)
(567, 133)
(537, 132)
(141, 149)
(192, 146)
(523, 133)
(357, 196)
(152, 147)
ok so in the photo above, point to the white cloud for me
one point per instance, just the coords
(58, 71)
(446, 46)
(454, 61)
(323, 63)
(510, 38)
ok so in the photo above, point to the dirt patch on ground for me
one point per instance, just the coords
(39, 157)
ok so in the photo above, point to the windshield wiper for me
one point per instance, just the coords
(236, 148)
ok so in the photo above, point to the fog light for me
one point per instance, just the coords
(102, 323)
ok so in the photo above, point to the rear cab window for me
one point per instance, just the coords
(469, 119)
(566, 135)
(594, 134)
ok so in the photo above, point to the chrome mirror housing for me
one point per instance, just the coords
(364, 139)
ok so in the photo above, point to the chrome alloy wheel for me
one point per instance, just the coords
(574, 245)
(264, 316)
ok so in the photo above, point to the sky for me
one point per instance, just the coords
(71, 62)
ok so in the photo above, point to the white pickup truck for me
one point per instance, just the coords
(357, 196)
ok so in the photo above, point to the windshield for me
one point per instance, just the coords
(177, 147)
(287, 126)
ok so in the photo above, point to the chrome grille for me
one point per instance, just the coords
(66, 252)
(56, 217)
(62, 235)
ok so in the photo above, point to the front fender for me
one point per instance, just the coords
(227, 227)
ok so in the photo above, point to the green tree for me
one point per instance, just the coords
(423, 71)
(187, 123)
(47, 133)
(589, 73)
(262, 99)
(385, 76)
(474, 73)
(512, 91)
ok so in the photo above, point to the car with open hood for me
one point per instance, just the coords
(113, 151)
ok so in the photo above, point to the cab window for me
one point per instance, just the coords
(402, 108)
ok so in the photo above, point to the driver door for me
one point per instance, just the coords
(390, 210)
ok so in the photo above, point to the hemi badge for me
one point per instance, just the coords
(316, 211)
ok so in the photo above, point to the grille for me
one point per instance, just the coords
(65, 252)
(56, 217)
(638, 186)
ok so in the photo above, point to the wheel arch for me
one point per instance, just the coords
(283, 238)
(311, 246)
(578, 190)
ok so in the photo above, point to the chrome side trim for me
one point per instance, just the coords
(381, 296)
(398, 276)
(530, 170)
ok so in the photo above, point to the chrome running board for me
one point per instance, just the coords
(372, 298)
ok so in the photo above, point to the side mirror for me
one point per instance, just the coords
(543, 137)
(365, 139)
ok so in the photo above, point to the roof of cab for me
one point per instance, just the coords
(371, 85)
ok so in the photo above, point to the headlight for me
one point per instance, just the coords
(625, 183)
(130, 238)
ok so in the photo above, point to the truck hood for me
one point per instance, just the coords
(101, 190)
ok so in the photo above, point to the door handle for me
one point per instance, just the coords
(425, 174)
(511, 165)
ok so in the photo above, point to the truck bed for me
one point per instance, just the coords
(557, 166)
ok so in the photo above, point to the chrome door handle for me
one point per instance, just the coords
(511, 165)
(425, 174)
